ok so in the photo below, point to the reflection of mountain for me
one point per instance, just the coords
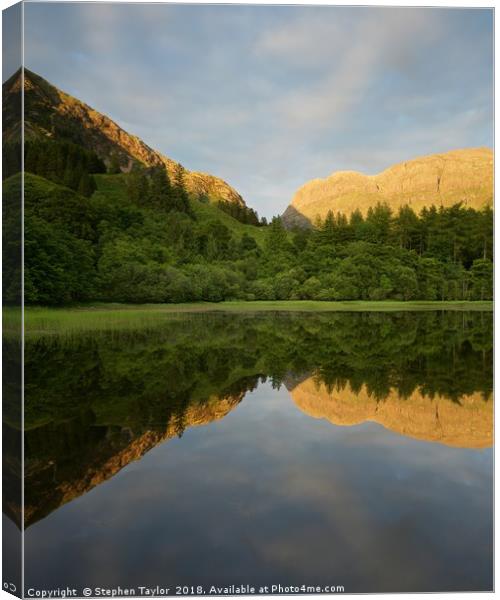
(96, 401)
(66, 460)
(465, 424)
(100, 452)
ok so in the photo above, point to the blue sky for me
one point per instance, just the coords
(268, 97)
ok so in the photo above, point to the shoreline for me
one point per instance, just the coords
(274, 305)
(40, 320)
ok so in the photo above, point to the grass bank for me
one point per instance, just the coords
(43, 320)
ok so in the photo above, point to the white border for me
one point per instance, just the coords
(435, 3)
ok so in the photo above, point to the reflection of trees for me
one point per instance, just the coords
(146, 377)
(96, 401)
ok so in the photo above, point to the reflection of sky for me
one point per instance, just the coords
(269, 97)
(269, 495)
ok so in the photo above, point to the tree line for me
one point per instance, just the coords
(439, 254)
(139, 239)
(153, 188)
(241, 213)
(61, 162)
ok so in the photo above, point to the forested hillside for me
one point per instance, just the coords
(108, 218)
(142, 238)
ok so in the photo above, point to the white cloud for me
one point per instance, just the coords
(352, 53)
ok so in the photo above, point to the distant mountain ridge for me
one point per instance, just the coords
(441, 179)
(52, 113)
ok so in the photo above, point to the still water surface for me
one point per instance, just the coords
(331, 449)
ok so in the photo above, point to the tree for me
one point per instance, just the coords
(356, 223)
(405, 282)
(407, 228)
(441, 254)
(344, 231)
(430, 279)
(327, 232)
(248, 244)
(285, 286)
(482, 279)
(277, 240)
(114, 165)
(240, 212)
(310, 288)
(138, 186)
(378, 224)
(160, 189)
(263, 289)
(485, 232)
(72, 177)
(58, 266)
(87, 185)
(301, 236)
(179, 199)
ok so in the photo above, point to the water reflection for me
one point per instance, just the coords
(465, 423)
(272, 490)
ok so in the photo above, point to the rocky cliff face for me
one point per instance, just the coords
(467, 424)
(51, 113)
(441, 179)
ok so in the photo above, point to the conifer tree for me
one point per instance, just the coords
(138, 186)
(277, 237)
(378, 223)
(160, 189)
(179, 196)
(356, 223)
(328, 230)
(406, 228)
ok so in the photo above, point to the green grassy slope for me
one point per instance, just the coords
(35, 187)
(113, 188)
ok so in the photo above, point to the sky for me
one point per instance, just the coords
(269, 97)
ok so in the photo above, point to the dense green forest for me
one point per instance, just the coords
(140, 237)
(62, 162)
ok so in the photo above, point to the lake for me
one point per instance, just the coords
(325, 449)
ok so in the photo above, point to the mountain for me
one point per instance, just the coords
(441, 179)
(52, 113)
